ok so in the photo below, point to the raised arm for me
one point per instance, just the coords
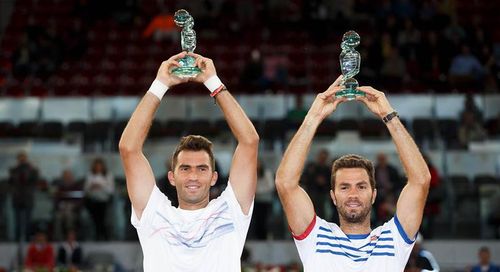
(138, 172)
(243, 172)
(411, 202)
(298, 207)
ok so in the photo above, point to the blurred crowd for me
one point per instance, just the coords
(406, 46)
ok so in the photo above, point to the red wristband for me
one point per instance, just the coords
(217, 91)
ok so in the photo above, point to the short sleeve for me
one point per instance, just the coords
(402, 242)
(242, 220)
(156, 199)
(306, 241)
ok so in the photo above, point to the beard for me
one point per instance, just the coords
(354, 216)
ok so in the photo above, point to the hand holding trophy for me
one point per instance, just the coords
(187, 68)
(350, 60)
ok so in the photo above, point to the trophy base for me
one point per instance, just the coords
(350, 92)
(186, 72)
(187, 69)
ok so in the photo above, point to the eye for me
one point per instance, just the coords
(183, 168)
(202, 168)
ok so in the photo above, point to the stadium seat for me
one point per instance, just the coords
(51, 130)
(448, 129)
(201, 127)
(423, 130)
(373, 129)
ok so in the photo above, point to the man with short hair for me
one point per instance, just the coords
(352, 245)
(200, 235)
(485, 264)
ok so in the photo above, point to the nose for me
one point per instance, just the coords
(193, 175)
(353, 192)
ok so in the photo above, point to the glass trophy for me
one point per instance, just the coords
(350, 60)
(187, 68)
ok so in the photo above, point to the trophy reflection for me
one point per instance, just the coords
(350, 60)
(187, 68)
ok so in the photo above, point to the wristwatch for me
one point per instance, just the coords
(389, 116)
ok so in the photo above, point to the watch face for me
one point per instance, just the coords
(389, 116)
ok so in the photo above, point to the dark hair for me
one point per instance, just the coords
(102, 163)
(353, 161)
(194, 143)
(484, 249)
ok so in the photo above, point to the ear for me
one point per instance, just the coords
(215, 175)
(332, 195)
(374, 195)
(171, 178)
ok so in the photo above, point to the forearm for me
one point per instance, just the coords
(240, 125)
(136, 131)
(292, 164)
(413, 162)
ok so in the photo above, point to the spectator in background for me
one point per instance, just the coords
(470, 106)
(43, 207)
(162, 27)
(275, 70)
(387, 176)
(253, 71)
(485, 264)
(99, 188)
(421, 259)
(466, 69)
(22, 181)
(316, 179)
(69, 254)
(40, 254)
(263, 202)
(68, 201)
(386, 208)
(296, 115)
(434, 198)
(389, 183)
(470, 130)
(393, 68)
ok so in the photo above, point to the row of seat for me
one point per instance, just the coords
(422, 129)
(179, 105)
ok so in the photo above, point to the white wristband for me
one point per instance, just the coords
(158, 88)
(213, 83)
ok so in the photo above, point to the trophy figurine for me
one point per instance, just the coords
(187, 68)
(349, 64)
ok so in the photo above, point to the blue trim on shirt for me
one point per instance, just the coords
(357, 236)
(332, 237)
(337, 253)
(353, 248)
(402, 231)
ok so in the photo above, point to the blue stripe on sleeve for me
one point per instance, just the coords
(402, 231)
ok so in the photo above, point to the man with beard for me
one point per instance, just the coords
(352, 245)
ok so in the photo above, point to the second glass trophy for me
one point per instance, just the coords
(350, 60)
